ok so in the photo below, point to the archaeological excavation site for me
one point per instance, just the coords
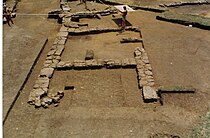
(106, 68)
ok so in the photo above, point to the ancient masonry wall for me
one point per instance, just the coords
(39, 96)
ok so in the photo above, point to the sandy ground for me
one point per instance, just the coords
(108, 103)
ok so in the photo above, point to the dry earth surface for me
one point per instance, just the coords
(108, 103)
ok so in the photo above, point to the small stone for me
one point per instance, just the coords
(143, 83)
(68, 64)
(48, 62)
(51, 52)
(57, 58)
(149, 73)
(100, 62)
(55, 105)
(151, 84)
(46, 65)
(49, 57)
(91, 63)
(59, 50)
(55, 61)
(61, 64)
(38, 102)
(47, 100)
(60, 92)
(146, 61)
(55, 99)
(149, 67)
(71, 30)
(125, 62)
(132, 62)
(89, 54)
(139, 67)
(137, 53)
(79, 63)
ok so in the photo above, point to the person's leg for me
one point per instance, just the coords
(7, 18)
(85, 1)
(123, 23)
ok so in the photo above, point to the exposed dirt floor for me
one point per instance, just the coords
(108, 102)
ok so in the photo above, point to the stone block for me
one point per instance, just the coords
(46, 72)
(57, 58)
(71, 30)
(149, 73)
(68, 65)
(62, 42)
(51, 52)
(89, 54)
(130, 40)
(46, 65)
(61, 64)
(62, 34)
(146, 61)
(149, 94)
(100, 62)
(149, 67)
(42, 82)
(79, 64)
(92, 64)
(132, 62)
(137, 53)
(48, 62)
(125, 62)
(49, 57)
(64, 29)
(59, 50)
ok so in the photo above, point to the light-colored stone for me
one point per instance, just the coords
(61, 64)
(51, 52)
(48, 62)
(149, 93)
(64, 29)
(146, 61)
(62, 42)
(46, 100)
(49, 58)
(71, 30)
(132, 61)
(46, 72)
(125, 62)
(42, 82)
(149, 67)
(62, 34)
(148, 73)
(38, 102)
(91, 63)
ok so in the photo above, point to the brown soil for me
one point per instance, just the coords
(108, 103)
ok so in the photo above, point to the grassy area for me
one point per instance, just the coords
(203, 130)
(186, 19)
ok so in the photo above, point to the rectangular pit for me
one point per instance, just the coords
(98, 88)
(105, 46)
